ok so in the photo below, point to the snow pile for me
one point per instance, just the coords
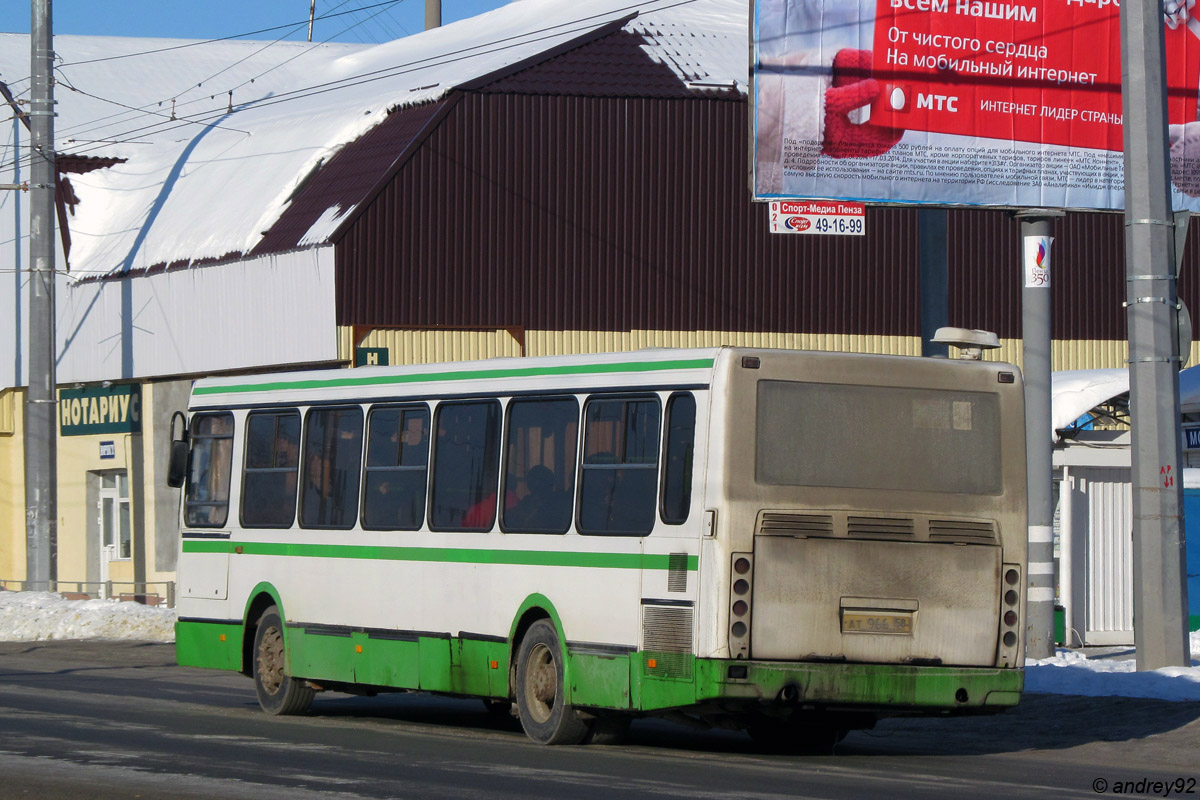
(40, 616)
(1072, 672)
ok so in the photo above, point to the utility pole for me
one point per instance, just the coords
(1159, 587)
(433, 14)
(41, 446)
(312, 15)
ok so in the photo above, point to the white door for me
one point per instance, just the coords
(116, 541)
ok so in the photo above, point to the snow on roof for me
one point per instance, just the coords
(1074, 392)
(218, 135)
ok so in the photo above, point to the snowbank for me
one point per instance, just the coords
(39, 616)
(1072, 672)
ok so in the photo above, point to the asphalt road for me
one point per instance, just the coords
(107, 720)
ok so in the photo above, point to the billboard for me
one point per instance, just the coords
(960, 102)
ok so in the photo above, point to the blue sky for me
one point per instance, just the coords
(211, 19)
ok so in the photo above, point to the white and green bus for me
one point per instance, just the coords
(795, 543)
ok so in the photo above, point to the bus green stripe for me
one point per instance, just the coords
(453, 555)
(458, 375)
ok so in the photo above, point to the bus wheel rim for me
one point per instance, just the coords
(541, 682)
(270, 660)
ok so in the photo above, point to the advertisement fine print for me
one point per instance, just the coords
(964, 102)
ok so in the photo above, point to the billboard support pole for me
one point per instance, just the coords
(1037, 238)
(935, 271)
(1159, 585)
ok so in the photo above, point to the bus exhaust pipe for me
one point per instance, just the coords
(789, 694)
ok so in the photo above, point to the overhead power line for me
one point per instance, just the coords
(371, 76)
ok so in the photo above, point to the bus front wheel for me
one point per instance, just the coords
(278, 693)
(545, 716)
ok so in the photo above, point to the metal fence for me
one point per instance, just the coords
(151, 593)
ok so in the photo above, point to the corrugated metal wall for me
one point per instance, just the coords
(609, 214)
(590, 215)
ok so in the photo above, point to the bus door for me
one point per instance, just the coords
(204, 568)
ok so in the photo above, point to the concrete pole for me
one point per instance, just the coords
(41, 501)
(433, 14)
(935, 280)
(312, 15)
(1159, 583)
(1037, 244)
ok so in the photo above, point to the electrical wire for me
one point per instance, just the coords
(444, 59)
(75, 132)
(302, 23)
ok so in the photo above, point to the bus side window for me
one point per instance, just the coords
(677, 461)
(332, 455)
(397, 468)
(272, 461)
(539, 465)
(466, 457)
(206, 503)
(619, 474)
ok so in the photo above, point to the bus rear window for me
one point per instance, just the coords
(878, 437)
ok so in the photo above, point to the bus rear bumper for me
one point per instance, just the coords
(884, 687)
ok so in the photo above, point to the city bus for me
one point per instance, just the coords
(791, 543)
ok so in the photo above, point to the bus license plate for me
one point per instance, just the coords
(877, 622)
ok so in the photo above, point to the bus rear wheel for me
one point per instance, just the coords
(278, 693)
(545, 716)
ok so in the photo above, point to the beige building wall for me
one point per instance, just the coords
(407, 346)
(12, 485)
(430, 346)
(153, 506)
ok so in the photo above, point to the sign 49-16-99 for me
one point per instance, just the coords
(826, 217)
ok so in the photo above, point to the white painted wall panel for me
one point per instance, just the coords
(1108, 579)
(261, 312)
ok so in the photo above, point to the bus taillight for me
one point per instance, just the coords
(1010, 619)
(739, 605)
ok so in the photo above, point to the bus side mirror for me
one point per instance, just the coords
(177, 465)
(177, 469)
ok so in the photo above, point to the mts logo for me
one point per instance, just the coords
(937, 102)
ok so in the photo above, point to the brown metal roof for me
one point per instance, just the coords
(350, 175)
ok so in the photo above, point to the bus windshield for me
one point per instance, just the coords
(878, 437)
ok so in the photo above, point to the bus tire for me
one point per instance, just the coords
(546, 718)
(278, 693)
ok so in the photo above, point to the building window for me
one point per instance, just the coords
(619, 478)
(332, 464)
(465, 465)
(539, 465)
(677, 461)
(207, 491)
(272, 461)
(397, 468)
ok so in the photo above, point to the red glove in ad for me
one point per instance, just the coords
(853, 87)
